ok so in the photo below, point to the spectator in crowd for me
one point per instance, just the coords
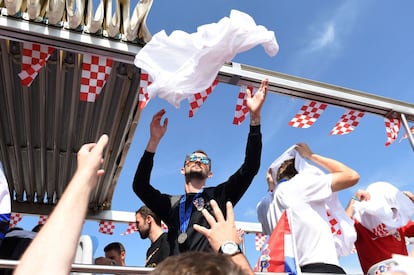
(114, 255)
(57, 252)
(5, 204)
(149, 226)
(382, 215)
(181, 212)
(309, 193)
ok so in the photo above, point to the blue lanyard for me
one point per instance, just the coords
(185, 215)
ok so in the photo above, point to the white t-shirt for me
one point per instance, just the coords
(306, 194)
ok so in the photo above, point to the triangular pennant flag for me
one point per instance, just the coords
(34, 58)
(279, 255)
(132, 227)
(95, 73)
(308, 114)
(392, 127)
(42, 219)
(260, 240)
(106, 227)
(241, 106)
(143, 96)
(405, 135)
(349, 120)
(15, 219)
(198, 99)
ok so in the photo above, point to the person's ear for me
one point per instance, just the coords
(182, 171)
(210, 174)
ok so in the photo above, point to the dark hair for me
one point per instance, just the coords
(37, 227)
(117, 246)
(286, 170)
(198, 262)
(144, 211)
(200, 152)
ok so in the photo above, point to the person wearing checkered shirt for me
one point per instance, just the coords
(181, 212)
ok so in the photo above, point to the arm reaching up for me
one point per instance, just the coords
(56, 242)
(342, 175)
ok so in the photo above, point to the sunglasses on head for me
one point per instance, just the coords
(193, 158)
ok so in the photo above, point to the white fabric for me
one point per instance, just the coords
(404, 264)
(310, 196)
(388, 209)
(183, 64)
(5, 203)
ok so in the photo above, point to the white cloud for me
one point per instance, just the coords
(323, 39)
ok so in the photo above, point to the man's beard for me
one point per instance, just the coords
(144, 234)
(197, 175)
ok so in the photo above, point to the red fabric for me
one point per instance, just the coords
(372, 249)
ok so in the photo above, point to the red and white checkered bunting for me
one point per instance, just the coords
(198, 99)
(392, 127)
(347, 123)
(15, 218)
(260, 240)
(132, 227)
(42, 219)
(308, 114)
(405, 135)
(34, 58)
(95, 73)
(335, 227)
(241, 106)
(106, 227)
(143, 96)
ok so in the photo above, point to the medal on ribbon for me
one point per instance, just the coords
(185, 216)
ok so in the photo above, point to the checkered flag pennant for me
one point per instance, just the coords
(95, 73)
(132, 227)
(198, 99)
(335, 226)
(241, 106)
(405, 135)
(308, 114)
(260, 240)
(392, 127)
(106, 227)
(42, 219)
(349, 120)
(143, 96)
(15, 219)
(34, 58)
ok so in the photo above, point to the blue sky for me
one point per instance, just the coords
(362, 45)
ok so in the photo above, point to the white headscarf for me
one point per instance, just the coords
(388, 206)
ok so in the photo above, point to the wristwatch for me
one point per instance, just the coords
(229, 248)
